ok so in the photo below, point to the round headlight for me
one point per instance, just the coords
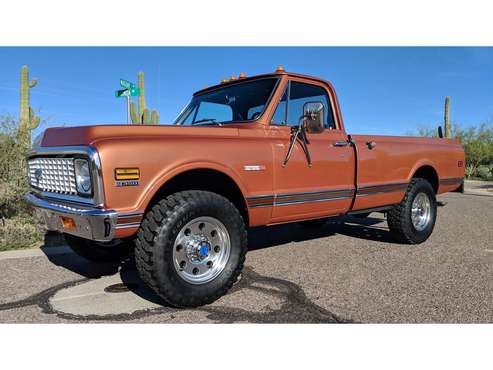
(82, 176)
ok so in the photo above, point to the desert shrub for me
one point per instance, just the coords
(18, 227)
(19, 232)
(484, 172)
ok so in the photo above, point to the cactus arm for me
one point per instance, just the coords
(154, 117)
(133, 114)
(146, 117)
(33, 120)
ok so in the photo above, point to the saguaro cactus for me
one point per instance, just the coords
(142, 115)
(448, 131)
(27, 119)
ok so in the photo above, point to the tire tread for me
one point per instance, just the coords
(156, 225)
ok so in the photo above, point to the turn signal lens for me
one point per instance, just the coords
(67, 223)
(127, 174)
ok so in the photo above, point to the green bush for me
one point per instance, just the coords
(19, 232)
(484, 172)
(18, 227)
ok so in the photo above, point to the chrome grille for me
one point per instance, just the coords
(56, 175)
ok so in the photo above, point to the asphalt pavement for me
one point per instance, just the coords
(349, 271)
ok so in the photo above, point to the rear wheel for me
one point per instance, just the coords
(191, 247)
(412, 221)
(113, 251)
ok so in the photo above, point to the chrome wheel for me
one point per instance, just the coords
(201, 250)
(421, 211)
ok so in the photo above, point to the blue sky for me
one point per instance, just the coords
(381, 90)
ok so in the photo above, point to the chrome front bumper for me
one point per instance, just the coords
(90, 223)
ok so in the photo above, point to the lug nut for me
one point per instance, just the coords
(209, 264)
(213, 233)
(217, 249)
(183, 264)
(195, 271)
(187, 232)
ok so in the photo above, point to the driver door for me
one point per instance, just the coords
(327, 186)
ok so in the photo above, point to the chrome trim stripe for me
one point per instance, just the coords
(323, 196)
(306, 197)
(372, 188)
(335, 191)
(287, 203)
(128, 226)
(127, 215)
(451, 181)
(381, 189)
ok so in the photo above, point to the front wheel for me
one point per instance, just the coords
(191, 247)
(412, 221)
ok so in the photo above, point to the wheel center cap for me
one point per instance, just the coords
(203, 250)
(198, 249)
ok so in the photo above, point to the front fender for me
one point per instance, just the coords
(169, 173)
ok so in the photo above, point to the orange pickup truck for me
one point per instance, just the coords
(253, 151)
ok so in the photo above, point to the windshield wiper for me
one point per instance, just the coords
(208, 121)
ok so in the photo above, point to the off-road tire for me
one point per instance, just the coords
(399, 217)
(155, 241)
(99, 251)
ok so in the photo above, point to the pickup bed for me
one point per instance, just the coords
(254, 151)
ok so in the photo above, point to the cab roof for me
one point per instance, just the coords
(277, 74)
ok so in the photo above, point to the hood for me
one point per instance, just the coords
(89, 135)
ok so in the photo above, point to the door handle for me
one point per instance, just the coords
(341, 143)
(371, 144)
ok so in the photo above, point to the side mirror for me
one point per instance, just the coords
(314, 117)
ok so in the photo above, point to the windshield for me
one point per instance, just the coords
(244, 101)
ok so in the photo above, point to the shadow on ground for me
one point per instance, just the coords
(295, 306)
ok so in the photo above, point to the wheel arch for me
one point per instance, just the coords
(201, 177)
(428, 172)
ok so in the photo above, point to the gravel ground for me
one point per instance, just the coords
(349, 271)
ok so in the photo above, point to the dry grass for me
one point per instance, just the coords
(20, 232)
